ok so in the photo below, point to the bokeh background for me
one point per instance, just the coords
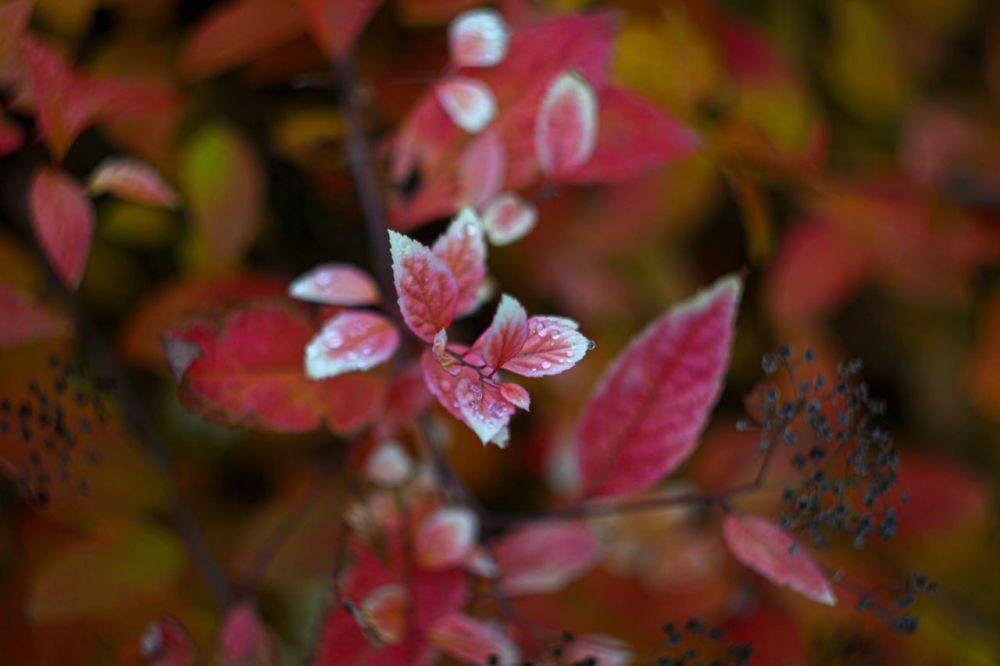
(851, 168)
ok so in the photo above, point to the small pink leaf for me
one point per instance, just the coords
(773, 553)
(132, 180)
(507, 334)
(482, 169)
(389, 465)
(440, 382)
(516, 395)
(24, 320)
(63, 218)
(350, 341)
(244, 640)
(508, 218)
(337, 24)
(645, 416)
(473, 641)
(446, 538)
(544, 557)
(553, 345)
(468, 102)
(478, 38)
(566, 125)
(336, 284)
(463, 250)
(428, 292)
(483, 407)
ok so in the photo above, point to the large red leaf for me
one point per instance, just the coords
(25, 320)
(647, 413)
(429, 143)
(235, 33)
(247, 370)
(633, 137)
(543, 558)
(337, 24)
(63, 218)
(773, 553)
(426, 287)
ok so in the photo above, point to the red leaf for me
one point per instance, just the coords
(233, 34)
(426, 286)
(508, 218)
(773, 553)
(337, 24)
(446, 538)
(473, 641)
(389, 465)
(468, 102)
(554, 345)
(545, 557)
(12, 136)
(463, 250)
(63, 218)
(645, 416)
(132, 180)
(482, 169)
(384, 613)
(336, 284)
(244, 640)
(167, 643)
(633, 137)
(441, 383)
(478, 38)
(249, 373)
(507, 334)
(566, 125)
(483, 407)
(516, 395)
(25, 321)
(350, 341)
(428, 142)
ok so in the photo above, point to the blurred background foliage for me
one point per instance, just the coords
(851, 167)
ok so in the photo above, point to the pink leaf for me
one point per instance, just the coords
(25, 321)
(133, 180)
(482, 168)
(446, 538)
(635, 137)
(773, 553)
(507, 334)
(244, 640)
(516, 395)
(473, 641)
(337, 24)
(483, 407)
(428, 292)
(237, 32)
(389, 465)
(508, 218)
(350, 341)
(478, 38)
(63, 218)
(645, 416)
(468, 102)
(553, 345)
(441, 383)
(566, 125)
(544, 557)
(336, 284)
(463, 250)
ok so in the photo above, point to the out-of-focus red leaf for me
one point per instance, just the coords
(446, 537)
(814, 271)
(337, 24)
(473, 641)
(428, 142)
(943, 495)
(507, 218)
(543, 558)
(14, 18)
(247, 371)
(507, 334)
(63, 219)
(633, 137)
(168, 306)
(244, 640)
(478, 38)
(11, 136)
(426, 287)
(336, 284)
(235, 33)
(770, 551)
(469, 102)
(463, 249)
(482, 169)
(566, 125)
(25, 320)
(164, 643)
(222, 179)
(132, 180)
(351, 341)
(647, 413)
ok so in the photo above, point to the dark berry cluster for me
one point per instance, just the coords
(694, 642)
(895, 608)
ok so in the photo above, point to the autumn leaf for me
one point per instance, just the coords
(336, 284)
(63, 219)
(337, 24)
(473, 641)
(543, 558)
(132, 180)
(425, 285)
(462, 248)
(351, 341)
(645, 416)
(566, 126)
